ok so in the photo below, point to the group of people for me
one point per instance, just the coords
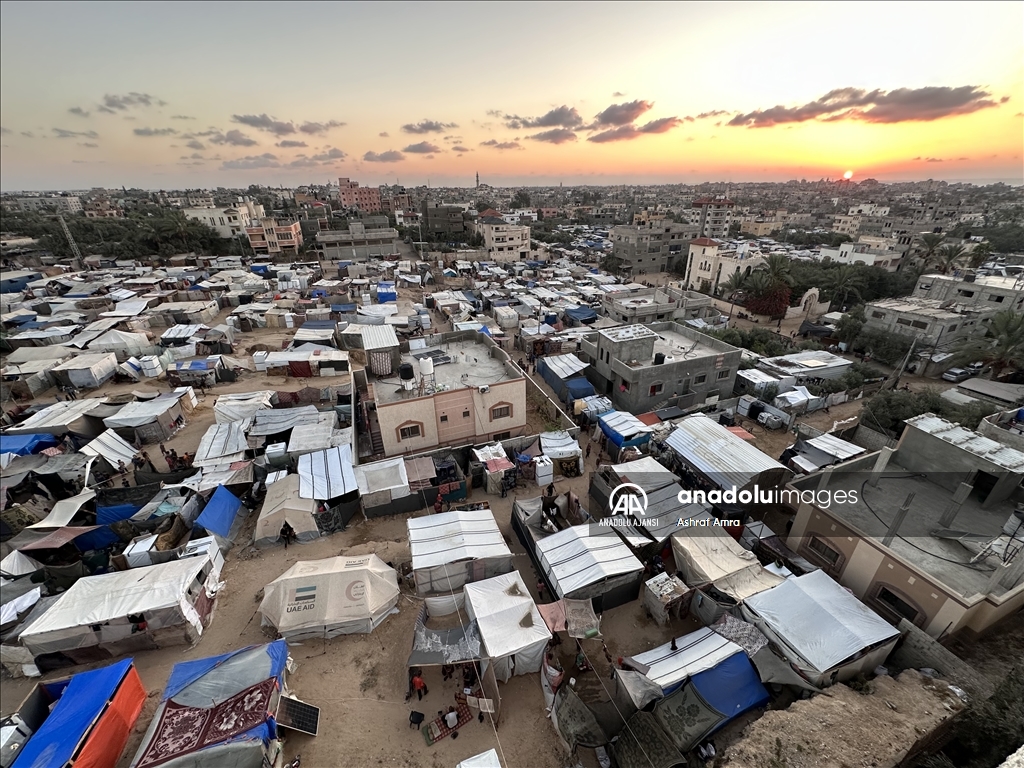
(174, 461)
(70, 392)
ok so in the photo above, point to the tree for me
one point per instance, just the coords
(947, 257)
(884, 346)
(1002, 347)
(777, 267)
(850, 325)
(844, 281)
(928, 246)
(611, 264)
(980, 254)
(734, 229)
(758, 283)
(731, 287)
(483, 205)
(521, 199)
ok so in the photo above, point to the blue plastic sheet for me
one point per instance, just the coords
(219, 513)
(24, 445)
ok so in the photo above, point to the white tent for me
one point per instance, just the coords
(166, 595)
(512, 630)
(283, 504)
(381, 482)
(16, 564)
(694, 653)
(821, 628)
(331, 597)
(221, 444)
(64, 511)
(110, 446)
(488, 759)
(581, 564)
(452, 549)
(87, 371)
(327, 474)
(120, 341)
(708, 554)
(242, 406)
(142, 412)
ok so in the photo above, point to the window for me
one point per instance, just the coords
(967, 294)
(723, 375)
(465, 414)
(893, 603)
(657, 389)
(824, 551)
(902, 321)
(951, 328)
(501, 412)
(995, 298)
(502, 436)
(444, 419)
(920, 324)
(878, 315)
(700, 378)
(410, 430)
(625, 386)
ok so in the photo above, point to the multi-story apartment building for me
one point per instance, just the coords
(710, 263)
(934, 323)
(102, 209)
(357, 242)
(982, 292)
(62, 203)
(863, 253)
(395, 202)
(503, 242)
(229, 221)
(844, 224)
(658, 365)
(869, 209)
(759, 226)
(351, 195)
(519, 215)
(652, 247)
(650, 216)
(652, 305)
(272, 237)
(442, 220)
(715, 215)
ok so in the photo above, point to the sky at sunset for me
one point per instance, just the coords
(176, 95)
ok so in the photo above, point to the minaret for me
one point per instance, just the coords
(478, 179)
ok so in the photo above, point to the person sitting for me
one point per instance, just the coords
(452, 718)
(582, 665)
(287, 533)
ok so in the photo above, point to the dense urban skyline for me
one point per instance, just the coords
(188, 95)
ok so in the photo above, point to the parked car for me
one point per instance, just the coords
(975, 368)
(957, 374)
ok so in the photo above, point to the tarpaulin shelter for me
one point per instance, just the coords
(695, 652)
(222, 443)
(488, 759)
(86, 371)
(623, 430)
(382, 482)
(559, 370)
(110, 447)
(331, 597)
(644, 744)
(218, 712)
(452, 549)
(26, 445)
(61, 418)
(140, 608)
(242, 406)
(219, 514)
(121, 343)
(92, 715)
(64, 511)
(282, 504)
(327, 474)
(724, 459)
(564, 451)
(826, 632)
(148, 421)
(578, 563)
(16, 564)
(513, 632)
(580, 315)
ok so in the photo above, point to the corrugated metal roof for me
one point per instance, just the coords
(834, 446)
(717, 452)
(379, 337)
(624, 423)
(565, 366)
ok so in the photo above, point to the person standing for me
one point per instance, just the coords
(588, 451)
(419, 686)
(551, 490)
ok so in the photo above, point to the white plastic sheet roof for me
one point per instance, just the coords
(835, 446)
(241, 407)
(111, 446)
(717, 452)
(327, 474)
(695, 653)
(452, 536)
(386, 475)
(624, 423)
(141, 412)
(565, 366)
(505, 613)
(819, 619)
(64, 510)
(18, 564)
(488, 759)
(575, 558)
(221, 444)
(270, 422)
(559, 445)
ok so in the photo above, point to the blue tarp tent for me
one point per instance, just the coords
(260, 269)
(581, 315)
(219, 513)
(386, 292)
(624, 429)
(578, 389)
(24, 445)
(732, 687)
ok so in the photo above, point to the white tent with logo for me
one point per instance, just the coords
(513, 632)
(331, 597)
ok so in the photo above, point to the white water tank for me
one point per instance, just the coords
(545, 470)
(426, 366)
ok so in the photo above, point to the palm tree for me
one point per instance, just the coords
(844, 281)
(1001, 347)
(731, 287)
(947, 256)
(928, 246)
(777, 267)
(758, 283)
(981, 253)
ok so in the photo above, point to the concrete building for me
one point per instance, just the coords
(272, 237)
(863, 253)
(231, 221)
(983, 292)
(1006, 427)
(758, 226)
(710, 263)
(62, 203)
(471, 393)
(351, 195)
(930, 534)
(869, 209)
(395, 202)
(932, 322)
(519, 215)
(102, 209)
(805, 367)
(443, 220)
(846, 224)
(662, 364)
(357, 243)
(652, 247)
(652, 305)
(715, 215)
(503, 241)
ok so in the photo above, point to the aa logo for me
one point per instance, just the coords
(628, 499)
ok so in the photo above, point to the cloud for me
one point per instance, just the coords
(460, 148)
(707, 115)
(251, 162)
(878, 106)
(629, 132)
(265, 122)
(28, 134)
(384, 135)
(501, 144)
(78, 111)
(555, 136)
(559, 117)
(113, 103)
(88, 145)
(329, 155)
(622, 114)
(195, 144)
(182, 117)
(428, 126)
(422, 148)
(154, 131)
(315, 129)
(235, 138)
(65, 134)
(289, 143)
(5, 130)
(618, 95)
(390, 156)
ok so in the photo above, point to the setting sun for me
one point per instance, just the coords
(848, 175)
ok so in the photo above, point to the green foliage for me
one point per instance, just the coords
(888, 409)
(521, 199)
(1002, 347)
(758, 340)
(611, 264)
(483, 205)
(769, 393)
(850, 326)
(1007, 237)
(801, 237)
(881, 345)
(947, 257)
(774, 303)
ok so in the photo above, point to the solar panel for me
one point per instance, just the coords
(298, 715)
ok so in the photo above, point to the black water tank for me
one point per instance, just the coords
(756, 408)
(406, 372)
(430, 302)
(659, 358)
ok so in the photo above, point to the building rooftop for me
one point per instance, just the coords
(805, 362)
(926, 307)
(970, 441)
(676, 347)
(946, 560)
(627, 333)
(1007, 282)
(457, 364)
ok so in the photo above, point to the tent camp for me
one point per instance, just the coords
(110, 447)
(513, 632)
(61, 418)
(327, 474)
(564, 451)
(122, 344)
(826, 632)
(452, 549)
(175, 599)
(84, 720)
(330, 597)
(148, 421)
(579, 563)
(695, 652)
(283, 504)
(242, 406)
(221, 444)
(221, 513)
(723, 458)
(623, 430)
(563, 373)
(218, 712)
(86, 371)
